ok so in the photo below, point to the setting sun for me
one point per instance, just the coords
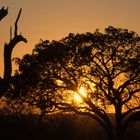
(70, 67)
(82, 91)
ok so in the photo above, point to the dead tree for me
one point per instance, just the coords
(8, 48)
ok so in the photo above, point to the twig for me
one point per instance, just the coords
(10, 33)
(16, 27)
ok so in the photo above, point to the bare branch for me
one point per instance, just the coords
(3, 13)
(16, 26)
(10, 33)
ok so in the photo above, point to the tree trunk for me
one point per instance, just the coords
(41, 118)
(119, 128)
(7, 63)
(119, 131)
(109, 133)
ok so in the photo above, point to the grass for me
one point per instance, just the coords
(58, 126)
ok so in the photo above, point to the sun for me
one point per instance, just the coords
(82, 91)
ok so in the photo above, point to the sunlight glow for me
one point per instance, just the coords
(77, 98)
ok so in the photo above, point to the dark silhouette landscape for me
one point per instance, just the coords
(66, 89)
(60, 126)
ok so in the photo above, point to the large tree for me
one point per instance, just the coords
(106, 65)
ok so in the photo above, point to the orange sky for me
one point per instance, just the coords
(54, 19)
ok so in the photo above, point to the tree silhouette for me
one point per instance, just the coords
(3, 13)
(106, 64)
(8, 48)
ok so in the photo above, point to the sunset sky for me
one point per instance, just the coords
(54, 19)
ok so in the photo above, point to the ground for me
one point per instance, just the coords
(58, 126)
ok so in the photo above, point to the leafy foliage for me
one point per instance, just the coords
(106, 64)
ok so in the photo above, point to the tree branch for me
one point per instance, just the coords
(3, 13)
(100, 120)
(127, 113)
(16, 26)
(132, 118)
